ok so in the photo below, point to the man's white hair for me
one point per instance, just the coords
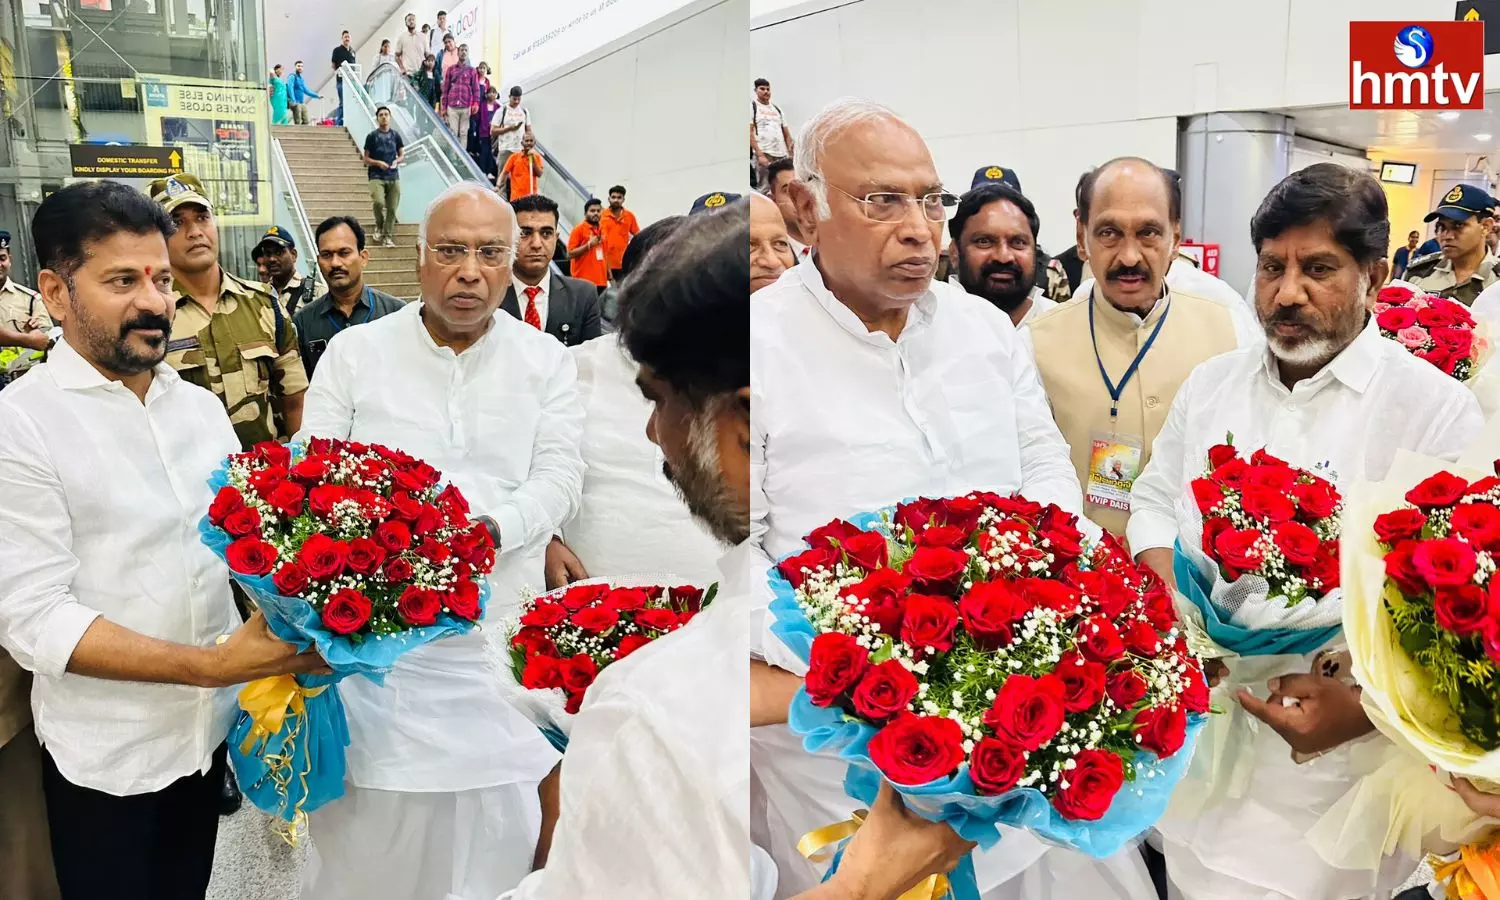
(462, 189)
(822, 128)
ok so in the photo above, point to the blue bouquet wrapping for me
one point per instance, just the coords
(954, 799)
(288, 744)
(1196, 584)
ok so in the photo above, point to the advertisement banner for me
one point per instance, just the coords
(223, 131)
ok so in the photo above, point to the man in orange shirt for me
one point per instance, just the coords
(618, 226)
(586, 247)
(522, 170)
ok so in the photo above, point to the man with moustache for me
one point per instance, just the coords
(342, 258)
(276, 260)
(229, 335)
(110, 598)
(492, 403)
(1112, 359)
(994, 240)
(770, 248)
(1325, 392)
(872, 382)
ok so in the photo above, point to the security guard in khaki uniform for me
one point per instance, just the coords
(1050, 275)
(24, 322)
(229, 335)
(1464, 266)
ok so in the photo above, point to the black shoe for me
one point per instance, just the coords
(1416, 893)
(230, 798)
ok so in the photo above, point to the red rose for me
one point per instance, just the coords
(1393, 527)
(835, 532)
(1082, 680)
(576, 598)
(1195, 696)
(406, 506)
(884, 594)
(687, 597)
(1231, 474)
(1448, 561)
(1396, 318)
(275, 454)
(1298, 543)
(312, 470)
(928, 623)
(1267, 504)
(322, 498)
(463, 600)
(428, 520)
(1462, 609)
(1207, 495)
(533, 641)
(322, 556)
(226, 501)
(1212, 529)
(795, 569)
(936, 568)
(1323, 572)
(916, 515)
(626, 599)
(1395, 295)
(1099, 640)
(346, 611)
(1442, 489)
(595, 619)
(251, 556)
(884, 690)
(472, 545)
(365, 556)
(1238, 551)
(1317, 498)
(1015, 505)
(1401, 568)
(835, 664)
(961, 512)
(1160, 611)
(914, 750)
(1040, 593)
(657, 619)
(629, 644)
(866, 550)
(434, 551)
(942, 536)
(1061, 533)
(1269, 473)
(242, 521)
(1437, 313)
(1141, 639)
(541, 672)
(1219, 454)
(1490, 638)
(1161, 729)
(452, 501)
(578, 672)
(1028, 711)
(287, 499)
(420, 606)
(397, 570)
(995, 766)
(1478, 523)
(1458, 341)
(290, 580)
(988, 610)
(1092, 784)
(1126, 688)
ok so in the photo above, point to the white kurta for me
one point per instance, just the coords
(443, 760)
(1369, 402)
(623, 485)
(655, 780)
(844, 420)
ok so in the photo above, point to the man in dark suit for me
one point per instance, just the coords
(566, 308)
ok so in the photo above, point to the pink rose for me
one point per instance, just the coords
(1414, 337)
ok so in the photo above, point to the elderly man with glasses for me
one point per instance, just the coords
(871, 382)
(442, 771)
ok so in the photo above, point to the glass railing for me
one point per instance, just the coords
(289, 209)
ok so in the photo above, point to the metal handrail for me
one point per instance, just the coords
(302, 224)
(436, 125)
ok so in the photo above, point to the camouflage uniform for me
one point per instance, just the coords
(1434, 274)
(245, 352)
(1054, 283)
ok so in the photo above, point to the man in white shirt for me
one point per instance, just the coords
(435, 37)
(442, 785)
(509, 126)
(994, 244)
(109, 595)
(411, 47)
(1325, 391)
(770, 139)
(873, 383)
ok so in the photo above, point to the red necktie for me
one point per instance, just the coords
(533, 318)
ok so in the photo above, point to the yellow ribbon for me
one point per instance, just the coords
(820, 844)
(1474, 875)
(268, 701)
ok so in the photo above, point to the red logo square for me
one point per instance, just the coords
(1416, 65)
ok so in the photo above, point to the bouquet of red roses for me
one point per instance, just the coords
(995, 666)
(355, 550)
(1433, 328)
(565, 638)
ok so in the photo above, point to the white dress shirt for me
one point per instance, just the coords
(656, 780)
(845, 420)
(502, 422)
(541, 298)
(1373, 399)
(1185, 277)
(1040, 303)
(624, 490)
(102, 499)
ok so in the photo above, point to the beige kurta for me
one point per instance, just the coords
(1196, 329)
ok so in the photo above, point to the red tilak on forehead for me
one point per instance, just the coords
(148, 271)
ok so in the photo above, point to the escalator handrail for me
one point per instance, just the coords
(436, 125)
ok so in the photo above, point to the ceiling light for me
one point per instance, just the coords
(1448, 116)
(1483, 136)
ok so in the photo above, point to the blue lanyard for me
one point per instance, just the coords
(1117, 390)
(369, 311)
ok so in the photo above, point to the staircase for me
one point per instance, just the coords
(331, 181)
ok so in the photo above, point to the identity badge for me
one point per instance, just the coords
(1114, 465)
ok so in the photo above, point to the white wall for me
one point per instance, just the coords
(651, 114)
(1048, 88)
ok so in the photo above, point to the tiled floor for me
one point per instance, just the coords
(252, 862)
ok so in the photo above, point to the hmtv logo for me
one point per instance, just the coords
(1416, 65)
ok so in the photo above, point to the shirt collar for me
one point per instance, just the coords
(918, 315)
(426, 336)
(1108, 312)
(545, 285)
(71, 372)
(1355, 366)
